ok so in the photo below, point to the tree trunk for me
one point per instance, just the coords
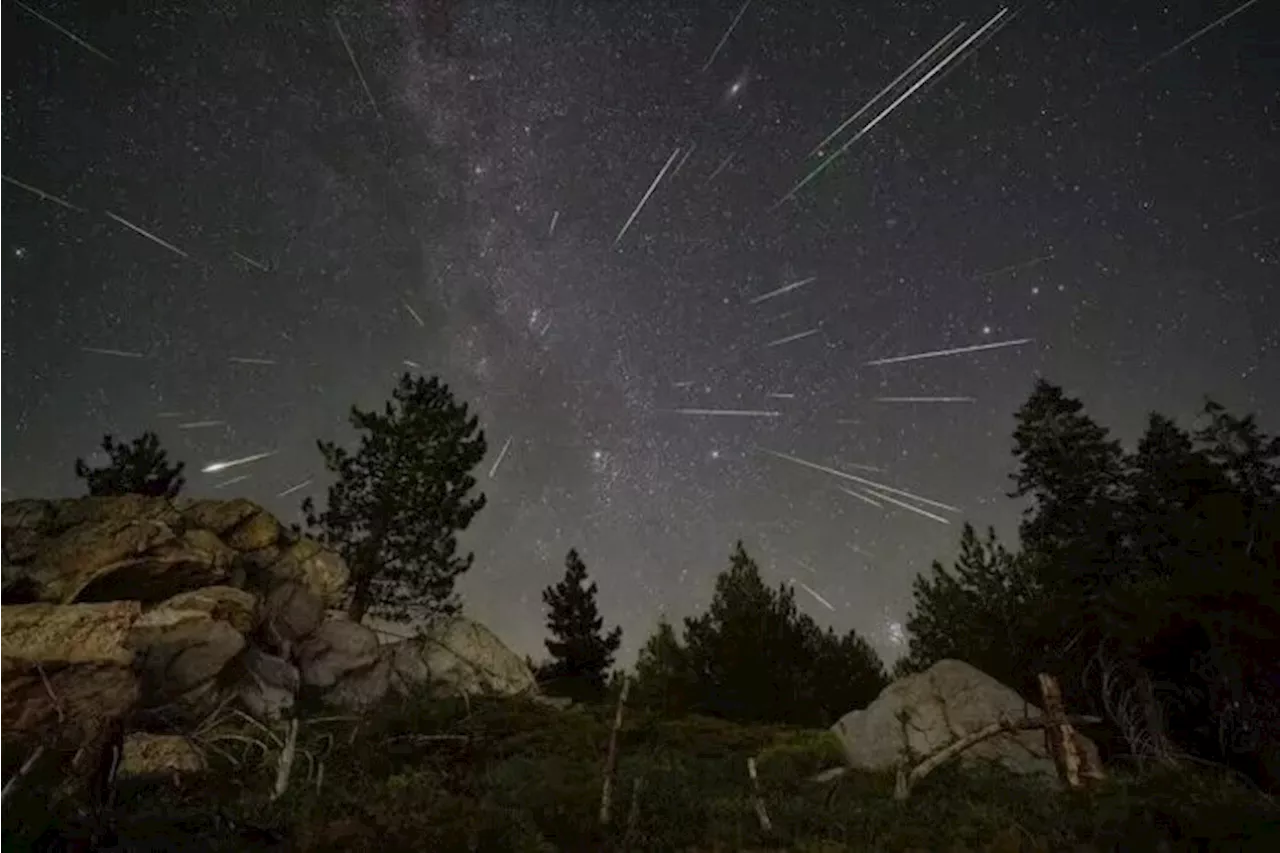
(361, 593)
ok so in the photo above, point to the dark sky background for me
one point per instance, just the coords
(1071, 181)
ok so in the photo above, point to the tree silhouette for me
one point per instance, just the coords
(580, 653)
(401, 498)
(753, 656)
(140, 468)
(664, 681)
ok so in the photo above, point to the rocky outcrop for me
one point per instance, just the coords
(128, 609)
(923, 713)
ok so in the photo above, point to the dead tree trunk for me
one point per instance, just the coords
(606, 788)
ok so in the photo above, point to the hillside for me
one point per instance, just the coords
(428, 773)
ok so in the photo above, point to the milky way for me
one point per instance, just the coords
(229, 222)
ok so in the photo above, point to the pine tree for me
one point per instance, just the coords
(400, 500)
(140, 468)
(753, 656)
(663, 680)
(981, 611)
(580, 654)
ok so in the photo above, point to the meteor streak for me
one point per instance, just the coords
(786, 288)
(914, 509)
(653, 186)
(39, 193)
(789, 338)
(214, 467)
(145, 233)
(954, 351)
(501, 455)
(724, 38)
(731, 413)
(862, 480)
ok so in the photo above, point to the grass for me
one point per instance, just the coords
(506, 775)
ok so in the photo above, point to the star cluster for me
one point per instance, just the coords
(229, 222)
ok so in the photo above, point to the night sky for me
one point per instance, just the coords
(349, 191)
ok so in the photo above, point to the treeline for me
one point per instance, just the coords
(1147, 580)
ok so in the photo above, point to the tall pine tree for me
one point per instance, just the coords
(140, 468)
(580, 653)
(752, 656)
(400, 500)
(980, 611)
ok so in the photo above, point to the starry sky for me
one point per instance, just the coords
(227, 222)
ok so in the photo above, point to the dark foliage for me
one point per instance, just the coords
(140, 468)
(754, 657)
(581, 653)
(1149, 582)
(401, 499)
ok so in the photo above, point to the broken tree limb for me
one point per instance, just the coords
(756, 799)
(1060, 737)
(907, 780)
(286, 761)
(606, 788)
(12, 784)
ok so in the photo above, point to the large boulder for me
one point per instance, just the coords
(291, 612)
(307, 563)
(337, 647)
(180, 650)
(361, 689)
(460, 656)
(945, 702)
(227, 604)
(54, 636)
(70, 706)
(268, 684)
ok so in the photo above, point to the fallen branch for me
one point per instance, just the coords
(11, 785)
(907, 780)
(53, 697)
(633, 814)
(606, 788)
(286, 761)
(756, 799)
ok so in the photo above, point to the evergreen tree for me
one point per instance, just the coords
(663, 680)
(140, 468)
(753, 657)
(580, 654)
(400, 500)
(979, 611)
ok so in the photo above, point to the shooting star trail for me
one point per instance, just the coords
(414, 314)
(786, 288)
(809, 589)
(728, 413)
(686, 384)
(413, 364)
(293, 489)
(924, 57)
(1013, 267)
(1247, 214)
(118, 353)
(356, 65)
(789, 338)
(251, 262)
(235, 359)
(1194, 37)
(954, 351)
(653, 186)
(860, 480)
(145, 233)
(779, 395)
(914, 509)
(718, 169)
(724, 38)
(200, 424)
(214, 467)
(39, 193)
(860, 496)
(66, 32)
(501, 455)
(911, 90)
(680, 165)
(232, 481)
(555, 217)
(926, 399)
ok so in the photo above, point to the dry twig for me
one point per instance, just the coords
(12, 784)
(907, 780)
(606, 788)
(286, 761)
(53, 697)
(756, 799)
